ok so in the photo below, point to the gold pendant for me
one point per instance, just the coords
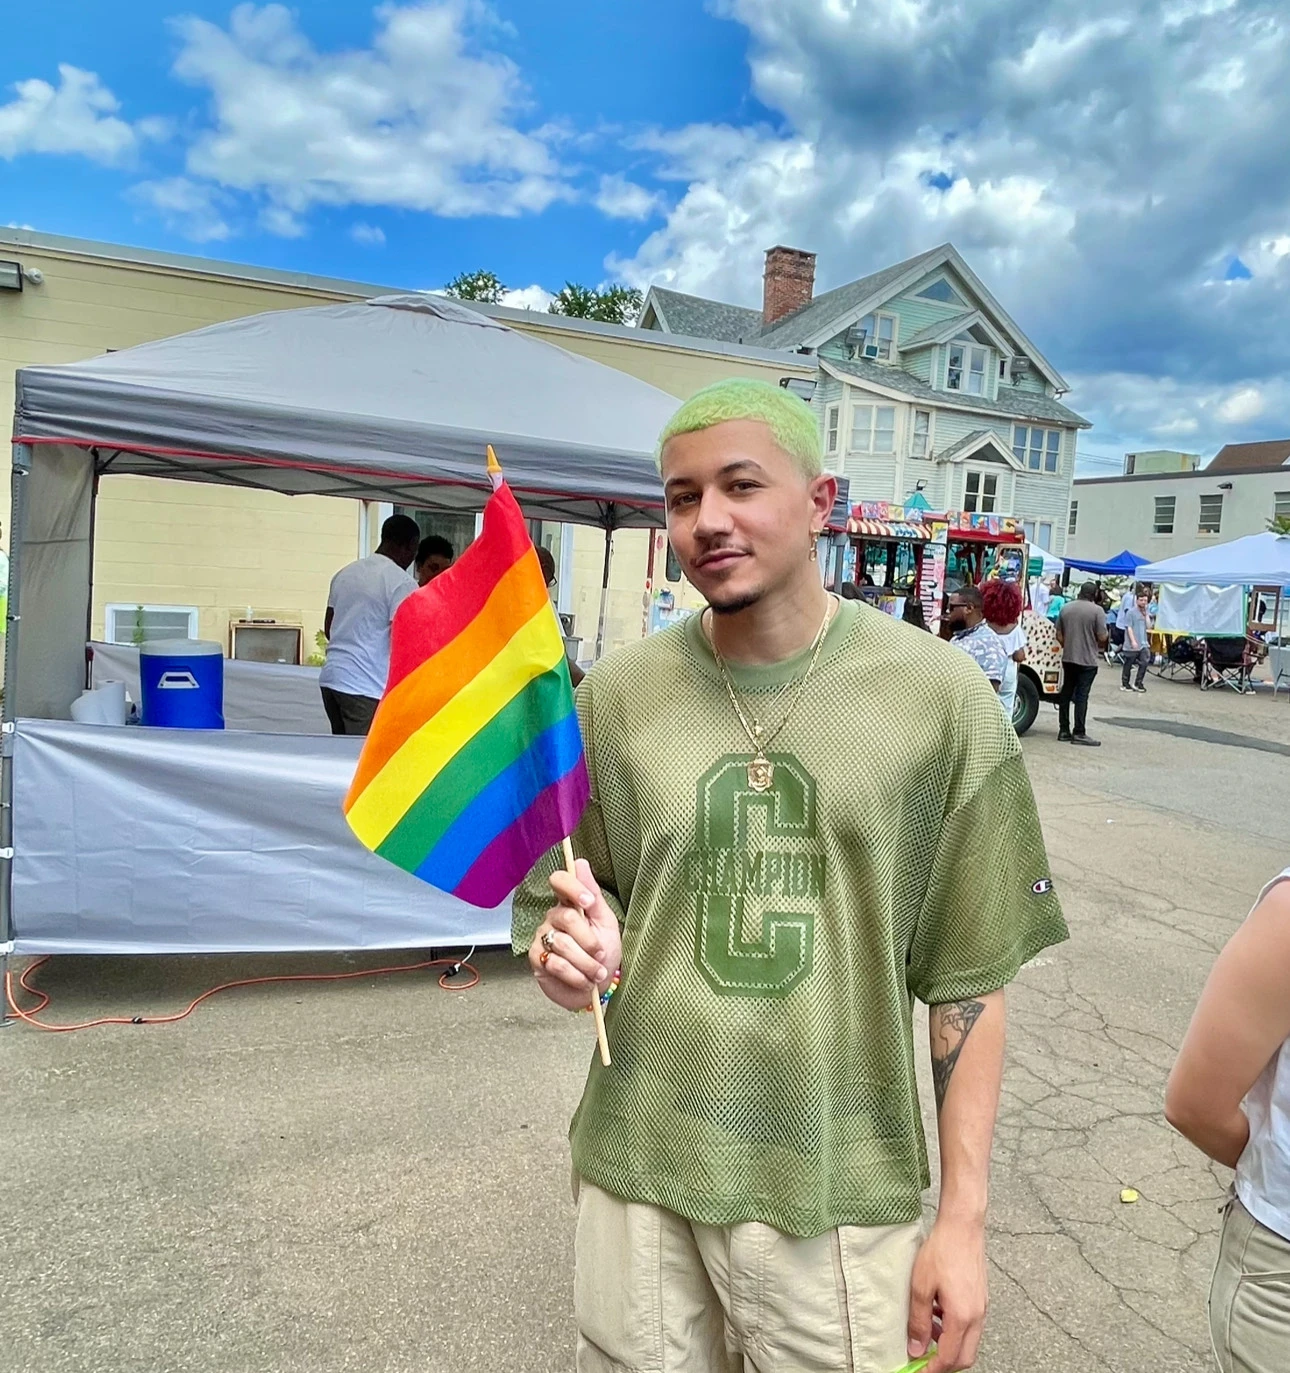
(761, 773)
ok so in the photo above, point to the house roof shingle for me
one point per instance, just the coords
(701, 318)
(1023, 405)
(1244, 457)
(932, 332)
(818, 313)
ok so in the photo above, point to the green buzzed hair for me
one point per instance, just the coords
(789, 419)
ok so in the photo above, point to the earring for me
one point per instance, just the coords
(815, 552)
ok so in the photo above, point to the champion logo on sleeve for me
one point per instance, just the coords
(1043, 886)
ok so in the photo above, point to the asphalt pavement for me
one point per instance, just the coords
(373, 1176)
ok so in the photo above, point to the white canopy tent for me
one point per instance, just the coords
(1255, 560)
(392, 399)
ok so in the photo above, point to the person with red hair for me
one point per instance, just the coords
(1003, 604)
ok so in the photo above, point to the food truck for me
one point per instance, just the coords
(897, 552)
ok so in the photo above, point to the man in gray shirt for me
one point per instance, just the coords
(1137, 649)
(1081, 632)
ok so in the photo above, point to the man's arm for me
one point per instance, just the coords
(948, 1290)
(327, 619)
(1242, 1019)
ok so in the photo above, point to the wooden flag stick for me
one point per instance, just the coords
(596, 1009)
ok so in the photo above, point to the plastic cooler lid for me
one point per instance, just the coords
(181, 648)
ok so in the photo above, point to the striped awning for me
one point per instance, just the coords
(878, 529)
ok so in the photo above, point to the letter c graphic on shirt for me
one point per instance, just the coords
(774, 964)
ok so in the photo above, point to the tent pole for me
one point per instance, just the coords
(8, 713)
(604, 586)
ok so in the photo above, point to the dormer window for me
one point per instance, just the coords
(875, 337)
(965, 369)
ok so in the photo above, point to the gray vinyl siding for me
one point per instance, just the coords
(952, 426)
(1034, 382)
(919, 364)
(873, 477)
(835, 348)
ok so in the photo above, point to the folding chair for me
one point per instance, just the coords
(1182, 658)
(1228, 663)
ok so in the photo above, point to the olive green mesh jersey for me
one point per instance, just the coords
(763, 1058)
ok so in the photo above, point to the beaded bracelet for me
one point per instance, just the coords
(609, 991)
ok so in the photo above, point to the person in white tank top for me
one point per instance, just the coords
(1229, 1093)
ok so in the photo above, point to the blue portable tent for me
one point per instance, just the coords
(1122, 565)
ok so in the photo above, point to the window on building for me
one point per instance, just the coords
(1281, 505)
(981, 492)
(1164, 518)
(831, 422)
(1074, 517)
(1045, 536)
(941, 290)
(873, 429)
(1039, 450)
(879, 336)
(1028, 530)
(966, 368)
(145, 624)
(1003, 369)
(920, 437)
(1211, 515)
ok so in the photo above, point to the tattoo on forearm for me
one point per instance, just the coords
(950, 1026)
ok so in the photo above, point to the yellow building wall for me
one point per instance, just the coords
(224, 549)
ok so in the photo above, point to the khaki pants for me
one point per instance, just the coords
(1249, 1300)
(655, 1293)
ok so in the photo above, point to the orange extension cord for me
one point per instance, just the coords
(453, 968)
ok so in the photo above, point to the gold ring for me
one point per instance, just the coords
(543, 956)
(548, 941)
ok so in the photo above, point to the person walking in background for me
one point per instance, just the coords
(360, 609)
(1136, 650)
(1229, 1093)
(1055, 601)
(965, 615)
(1081, 632)
(1003, 603)
(434, 555)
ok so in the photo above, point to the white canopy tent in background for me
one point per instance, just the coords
(1052, 565)
(392, 399)
(1255, 560)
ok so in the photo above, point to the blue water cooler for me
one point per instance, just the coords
(182, 684)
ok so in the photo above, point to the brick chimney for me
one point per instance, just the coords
(788, 283)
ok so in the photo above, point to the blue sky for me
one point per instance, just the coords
(1114, 172)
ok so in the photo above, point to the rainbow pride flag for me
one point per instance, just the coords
(474, 767)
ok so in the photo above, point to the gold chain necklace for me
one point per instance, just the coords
(761, 771)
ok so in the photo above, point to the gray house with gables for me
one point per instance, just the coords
(925, 383)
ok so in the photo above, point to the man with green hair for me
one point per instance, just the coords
(803, 816)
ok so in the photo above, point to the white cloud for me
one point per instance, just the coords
(527, 298)
(619, 198)
(422, 119)
(1092, 165)
(281, 222)
(369, 235)
(186, 207)
(79, 115)
(1242, 406)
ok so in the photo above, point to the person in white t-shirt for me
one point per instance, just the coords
(1229, 1093)
(360, 609)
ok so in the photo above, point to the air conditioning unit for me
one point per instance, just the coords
(1020, 365)
(872, 351)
